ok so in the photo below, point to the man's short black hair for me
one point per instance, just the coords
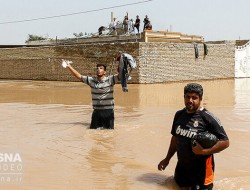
(194, 88)
(100, 64)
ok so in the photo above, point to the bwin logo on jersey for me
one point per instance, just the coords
(196, 124)
(185, 132)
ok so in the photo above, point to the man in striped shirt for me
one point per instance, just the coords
(102, 96)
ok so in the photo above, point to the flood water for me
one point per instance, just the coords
(46, 124)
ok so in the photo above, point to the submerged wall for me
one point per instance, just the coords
(157, 62)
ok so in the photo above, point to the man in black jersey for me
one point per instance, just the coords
(195, 165)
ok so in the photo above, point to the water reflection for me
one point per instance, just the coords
(242, 96)
(216, 93)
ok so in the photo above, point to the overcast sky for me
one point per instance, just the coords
(212, 19)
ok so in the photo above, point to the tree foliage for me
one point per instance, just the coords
(78, 35)
(32, 37)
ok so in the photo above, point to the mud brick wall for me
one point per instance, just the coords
(165, 62)
(44, 63)
(157, 62)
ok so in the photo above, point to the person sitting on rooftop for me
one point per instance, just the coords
(148, 26)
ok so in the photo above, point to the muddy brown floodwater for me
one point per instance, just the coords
(45, 128)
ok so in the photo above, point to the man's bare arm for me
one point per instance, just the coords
(74, 72)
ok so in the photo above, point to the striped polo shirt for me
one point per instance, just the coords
(101, 91)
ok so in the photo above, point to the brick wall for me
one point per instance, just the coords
(163, 62)
(157, 62)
